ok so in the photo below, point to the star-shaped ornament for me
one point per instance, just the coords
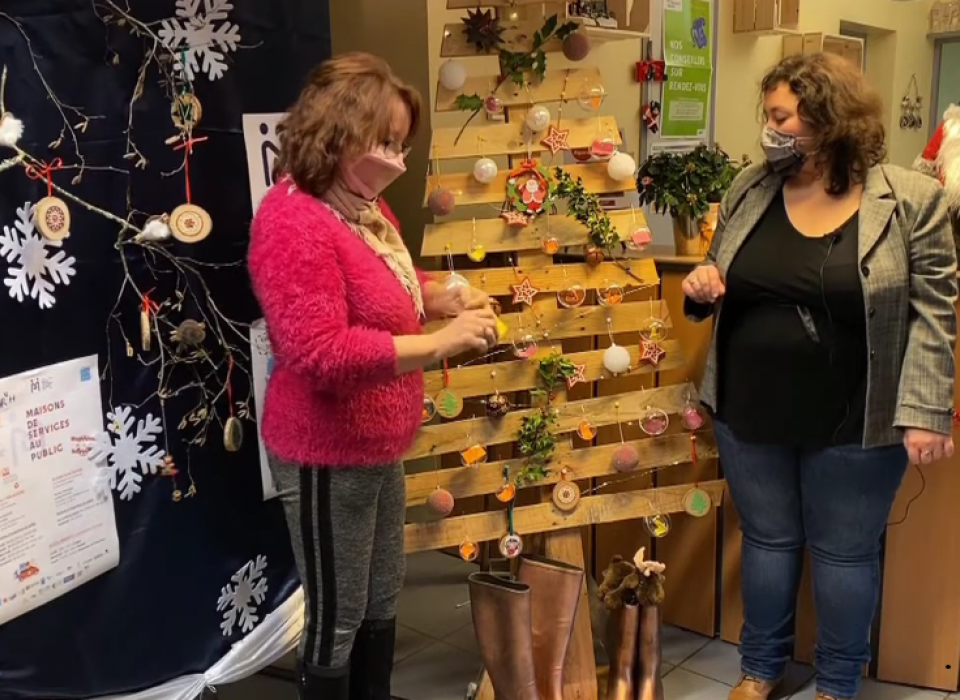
(577, 377)
(524, 292)
(556, 139)
(515, 219)
(651, 353)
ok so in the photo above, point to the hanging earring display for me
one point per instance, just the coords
(429, 409)
(232, 427)
(440, 502)
(50, 215)
(189, 222)
(477, 252)
(566, 494)
(469, 550)
(697, 502)
(654, 421)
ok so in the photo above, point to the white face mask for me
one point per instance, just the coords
(370, 174)
(783, 151)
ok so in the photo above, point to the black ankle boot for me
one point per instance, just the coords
(318, 683)
(371, 661)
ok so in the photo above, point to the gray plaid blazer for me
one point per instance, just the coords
(908, 269)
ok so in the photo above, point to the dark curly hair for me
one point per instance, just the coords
(845, 113)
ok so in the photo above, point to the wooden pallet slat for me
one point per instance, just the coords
(550, 279)
(517, 37)
(514, 139)
(556, 85)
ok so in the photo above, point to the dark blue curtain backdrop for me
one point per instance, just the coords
(154, 618)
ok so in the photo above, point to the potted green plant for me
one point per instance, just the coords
(689, 186)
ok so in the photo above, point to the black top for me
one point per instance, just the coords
(792, 337)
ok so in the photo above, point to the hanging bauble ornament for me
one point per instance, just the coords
(566, 496)
(511, 546)
(485, 170)
(52, 218)
(185, 111)
(691, 417)
(493, 106)
(654, 330)
(550, 245)
(232, 434)
(626, 459)
(639, 238)
(440, 502)
(507, 492)
(453, 75)
(190, 223)
(616, 359)
(658, 525)
(654, 421)
(469, 550)
(538, 118)
(586, 430)
(697, 502)
(591, 96)
(610, 295)
(429, 410)
(572, 296)
(576, 46)
(524, 346)
(498, 406)
(448, 404)
(593, 255)
(455, 281)
(441, 202)
(621, 166)
(474, 456)
(477, 253)
(603, 147)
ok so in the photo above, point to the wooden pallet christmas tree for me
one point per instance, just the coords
(561, 385)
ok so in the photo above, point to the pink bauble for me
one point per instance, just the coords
(576, 46)
(440, 502)
(626, 458)
(441, 202)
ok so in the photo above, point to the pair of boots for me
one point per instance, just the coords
(368, 675)
(524, 627)
(633, 645)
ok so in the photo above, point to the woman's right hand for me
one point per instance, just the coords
(471, 330)
(704, 285)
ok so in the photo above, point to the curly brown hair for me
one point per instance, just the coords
(844, 111)
(343, 110)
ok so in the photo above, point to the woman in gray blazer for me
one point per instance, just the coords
(831, 281)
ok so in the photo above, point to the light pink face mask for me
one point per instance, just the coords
(370, 174)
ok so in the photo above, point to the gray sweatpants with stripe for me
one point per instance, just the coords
(346, 527)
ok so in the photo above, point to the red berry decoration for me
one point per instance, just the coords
(626, 459)
(441, 202)
(576, 47)
(440, 502)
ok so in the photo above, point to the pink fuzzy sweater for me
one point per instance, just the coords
(332, 307)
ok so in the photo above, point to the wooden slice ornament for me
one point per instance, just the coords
(232, 434)
(186, 111)
(52, 218)
(448, 404)
(190, 223)
(697, 502)
(566, 494)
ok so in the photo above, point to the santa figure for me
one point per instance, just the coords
(941, 157)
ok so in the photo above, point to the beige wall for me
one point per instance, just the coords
(897, 48)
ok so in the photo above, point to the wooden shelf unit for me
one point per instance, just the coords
(766, 16)
(851, 48)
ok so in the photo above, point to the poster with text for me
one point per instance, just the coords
(686, 103)
(688, 53)
(688, 33)
(262, 367)
(56, 531)
(263, 147)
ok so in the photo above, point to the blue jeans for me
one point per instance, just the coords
(836, 502)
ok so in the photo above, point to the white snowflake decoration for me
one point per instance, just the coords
(30, 264)
(195, 36)
(125, 462)
(241, 598)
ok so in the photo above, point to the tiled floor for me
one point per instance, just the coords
(437, 654)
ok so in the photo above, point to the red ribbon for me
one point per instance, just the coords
(45, 172)
(148, 305)
(229, 384)
(187, 147)
(446, 374)
(693, 449)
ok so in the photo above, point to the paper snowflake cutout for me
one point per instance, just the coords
(556, 139)
(240, 598)
(524, 292)
(578, 376)
(515, 219)
(201, 32)
(30, 264)
(651, 353)
(125, 461)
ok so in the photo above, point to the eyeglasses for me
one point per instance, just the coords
(395, 149)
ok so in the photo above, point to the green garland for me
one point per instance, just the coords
(536, 442)
(586, 208)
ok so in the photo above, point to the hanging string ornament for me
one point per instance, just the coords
(549, 243)
(659, 524)
(566, 494)
(429, 410)
(615, 358)
(654, 421)
(525, 292)
(477, 252)
(654, 329)
(691, 417)
(498, 405)
(493, 107)
(651, 353)
(441, 201)
(186, 111)
(11, 129)
(538, 118)
(148, 310)
(508, 489)
(469, 550)
(640, 236)
(474, 455)
(448, 404)
(156, 230)
(697, 502)
(51, 217)
(453, 280)
(189, 334)
(485, 171)
(576, 46)
(625, 458)
(440, 502)
(453, 75)
(529, 192)
(611, 294)
(189, 222)
(556, 139)
(482, 29)
(511, 544)
(586, 429)
(232, 427)
(621, 166)
(593, 255)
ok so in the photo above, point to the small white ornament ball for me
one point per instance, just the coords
(621, 166)
(485, 170)
(617, 359)
(538, 119)
(453, 75)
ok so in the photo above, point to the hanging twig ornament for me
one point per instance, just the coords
(50, 215)
(189, 222)
(232, 428)
(189, 334)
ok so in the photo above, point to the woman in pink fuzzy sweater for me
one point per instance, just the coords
(344, 305)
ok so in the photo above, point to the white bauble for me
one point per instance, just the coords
(616, 359)
(621, 166)
(453, 75)
(538, 119)
(455, 281)
(485, 170)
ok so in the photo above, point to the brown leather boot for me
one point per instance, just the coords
(649, 682)
(501, 619)
(622, 634)
(753, 689)
(555, 589)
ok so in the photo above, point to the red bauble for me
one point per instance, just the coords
(626, 458)
(576, 46)
(441, 202)
(440, 502)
